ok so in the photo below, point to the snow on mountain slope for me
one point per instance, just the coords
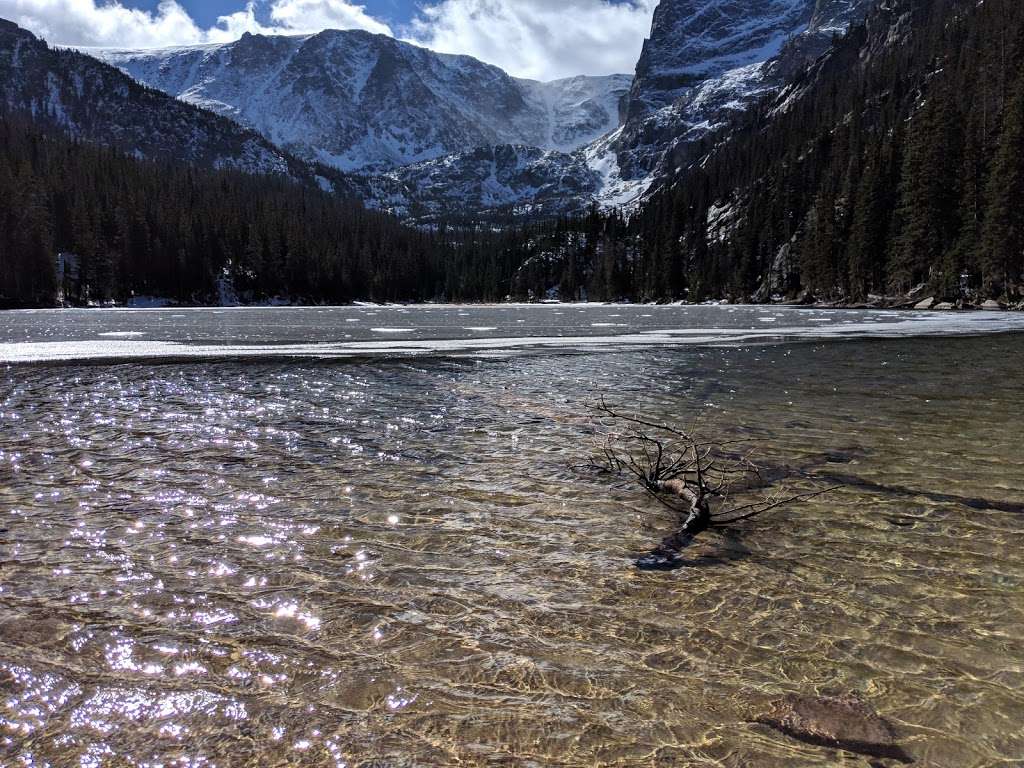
(442, 136)
(705, 61)
(363, 102)
(580, 110)
(615, 190)
(95, 102)
(485, 182)
(695, 40)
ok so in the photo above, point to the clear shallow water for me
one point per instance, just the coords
(394, 561)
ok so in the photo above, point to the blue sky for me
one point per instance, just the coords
(397, 13)
(540, 39)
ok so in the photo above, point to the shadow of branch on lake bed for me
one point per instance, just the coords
(903, 492)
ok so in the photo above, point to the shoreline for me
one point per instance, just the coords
(901, 306)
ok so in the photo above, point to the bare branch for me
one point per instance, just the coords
(686, 473)
(725, 518)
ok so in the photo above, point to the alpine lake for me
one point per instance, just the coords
(370, 537)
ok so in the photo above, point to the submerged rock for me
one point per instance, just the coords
(844, 722)
(660, 561)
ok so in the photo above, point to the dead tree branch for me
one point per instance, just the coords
(694, 477)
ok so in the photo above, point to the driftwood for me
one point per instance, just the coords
(697, 478)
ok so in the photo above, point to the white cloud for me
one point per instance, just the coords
(543, 39)
(540, 38)
(316, 15)
(81, 22)
(87, 23)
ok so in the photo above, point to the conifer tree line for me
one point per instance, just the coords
(166, 229)
(894, 165)
(896, 162)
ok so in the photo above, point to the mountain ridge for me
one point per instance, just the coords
(887, 174)
(413, 124)
(686, 86)
(436, 137)
(362, 102)
(95, 102)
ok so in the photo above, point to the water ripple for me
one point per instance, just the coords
(396, 563)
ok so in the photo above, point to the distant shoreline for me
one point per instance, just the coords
(895, 306)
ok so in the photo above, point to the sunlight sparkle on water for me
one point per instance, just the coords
(253, 554)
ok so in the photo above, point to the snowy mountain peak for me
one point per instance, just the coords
(696, 40)
(707, 60)
(435, 135)
(359, 101)
(94, 102)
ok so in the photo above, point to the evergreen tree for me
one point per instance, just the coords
(926, 213)
(1002, 246)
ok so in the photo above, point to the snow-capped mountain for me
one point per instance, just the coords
(95, 102)
(433, 136)
(708, 59)
(693, 41)
(364, 102)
